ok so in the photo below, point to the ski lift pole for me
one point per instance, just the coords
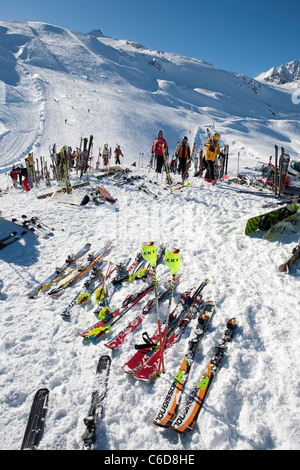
(172, 260)
(149, 253)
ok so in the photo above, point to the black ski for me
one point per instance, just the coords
(98, 396)
(12, 240)
(36, 420)
(38, 224)
(13, 234)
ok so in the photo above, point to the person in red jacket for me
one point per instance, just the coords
(159, 148)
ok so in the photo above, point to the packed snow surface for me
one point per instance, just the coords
(120, 92)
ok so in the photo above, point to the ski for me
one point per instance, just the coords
(168, 410)
(13, 234)
(187, 418)
(118, 340)
(148, 191)
(69, 261)
(92, 286)
(100, 328)
(36, 420)
(12, 240)
(66, 313)
(96, 406)
(38, 224)
(185, 175)
(30, 225)
(177, 321)
(126, 274)
(285, 267)
(91, 262)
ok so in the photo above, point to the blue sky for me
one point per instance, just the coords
(244, 36)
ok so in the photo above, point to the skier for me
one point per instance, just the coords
(159, 147)
(106, 155)
(184, 153)
(212, 149)
(14, 176)
(118, 153)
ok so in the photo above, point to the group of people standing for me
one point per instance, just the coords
(160, 150)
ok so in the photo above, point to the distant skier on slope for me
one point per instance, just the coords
(159, 146)
(106, 155)
(118, 153)
(212, 149)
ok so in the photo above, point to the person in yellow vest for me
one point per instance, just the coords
(212, 149)
(183, 154)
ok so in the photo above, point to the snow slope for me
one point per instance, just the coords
(254, 401)
(122, 92)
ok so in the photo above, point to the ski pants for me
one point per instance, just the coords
(159, 162)
(182, 165)
(210, 170)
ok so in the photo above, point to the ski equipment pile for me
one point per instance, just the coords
(93, 260)
(101, 328)
(69, 261)
(145, 362)
(119, 339)
(169, 408)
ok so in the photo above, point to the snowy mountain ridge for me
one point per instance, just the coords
(122, 92)
(288, 73)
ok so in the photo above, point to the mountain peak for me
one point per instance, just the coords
(282, 75)
(96, 32)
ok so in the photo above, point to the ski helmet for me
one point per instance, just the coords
(216, 136)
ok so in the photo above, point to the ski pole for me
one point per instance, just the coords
(172, 260)
(149, 253)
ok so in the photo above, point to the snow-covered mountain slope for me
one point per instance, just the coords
(51, 74)
(122, 92)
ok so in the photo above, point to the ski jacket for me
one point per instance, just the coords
(158, 145)
(212, 149)
(118, 152)
(184, 151)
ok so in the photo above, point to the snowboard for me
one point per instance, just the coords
(73, 199)
(106, 194)
(266, 221)
(286, 225)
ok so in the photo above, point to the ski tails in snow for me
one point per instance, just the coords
(96, 406)
(36, 420)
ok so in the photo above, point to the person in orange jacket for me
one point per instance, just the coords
(212, 149)
(183, 154)
(159, 148)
